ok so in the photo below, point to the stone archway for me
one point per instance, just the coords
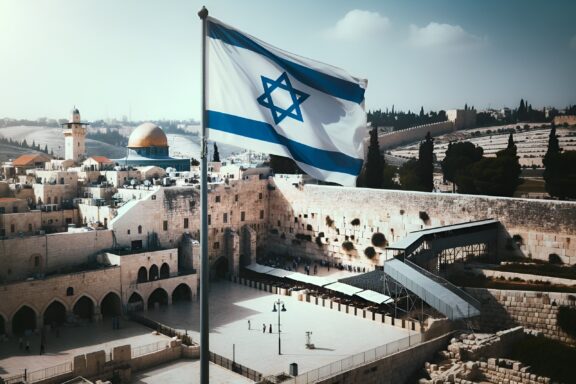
(181, 293)
(135, 302)
(164, 271)
(55, 314)
(153, 273)
(84, 308)
(142, 275)
(24, 320)
(221, 268)
(157, 298)
(111, 305)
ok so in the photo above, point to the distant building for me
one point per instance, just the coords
(147, 146)
(75, 138)
(462, 118)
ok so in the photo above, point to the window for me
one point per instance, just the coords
(14, 209)
(242, 216)
(216, 245)
(236, 198)
(260, 196)
(218, 198)
(29, 227)
(261, 214)
(139, 229)
(165, 225)
(225, 218)
(69, 291)
(185, 222)
(36, 261)
(56, 200)
(2, 210)
(128, 232)
(153, 197)
(68, 220)
(12, 229)
(209, 219)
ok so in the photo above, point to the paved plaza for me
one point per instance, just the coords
(71, 341)
(335, 335)
(187, 371)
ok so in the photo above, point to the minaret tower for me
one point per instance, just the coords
(74, 137)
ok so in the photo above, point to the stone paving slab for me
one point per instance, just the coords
(335, 335)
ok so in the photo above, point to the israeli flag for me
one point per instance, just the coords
(268, 100)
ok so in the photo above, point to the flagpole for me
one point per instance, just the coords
(204, 264)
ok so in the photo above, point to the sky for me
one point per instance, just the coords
(141, 58)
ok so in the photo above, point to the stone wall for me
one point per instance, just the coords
(335, 215)
(533, 310)
(393, 369)
(409, 135)
(54, 251)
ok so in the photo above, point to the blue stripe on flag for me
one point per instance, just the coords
(253, 129)
(323, 82)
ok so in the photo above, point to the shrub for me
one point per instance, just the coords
(329, 221)
(348, 246)
(424, 217)
(355, 222)
(378, 239)
(566, 318)
(553, 258)
(370, 252)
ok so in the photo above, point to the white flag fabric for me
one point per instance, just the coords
(268, 100)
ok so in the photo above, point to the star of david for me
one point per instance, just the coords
(266, 100)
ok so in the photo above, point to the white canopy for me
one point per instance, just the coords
(314, 280)
(346, 289)
(259, 268)
(374, 297)
(279, 272)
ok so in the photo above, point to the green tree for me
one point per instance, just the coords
(426, 163)
(409, 176)
(374, 170)
(458, 157)
(216, 155)
(561, 182)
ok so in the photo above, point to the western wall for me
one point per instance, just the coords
(315, 221)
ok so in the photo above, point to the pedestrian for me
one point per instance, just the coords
(27, 346)
(249, 325)
(263, 328)
(270, 329)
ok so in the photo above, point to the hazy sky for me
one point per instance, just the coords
(141, 57)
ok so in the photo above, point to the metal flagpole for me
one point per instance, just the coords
(204, 275)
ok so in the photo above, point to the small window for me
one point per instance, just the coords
(185, 222)
(69, 291)
(139, 229)
(236, 198)
(153, 197)
(14, 209)
(218, 198)
(225, 218)
(165, 225)
(260, 196)
(261, 214)
(56, 200)
(12, 228)
(29, 227)
(68, 220)
(36, 261)
(242, 216)
(216, 245)
(128, 232)
(209, 219)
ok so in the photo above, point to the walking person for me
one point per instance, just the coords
(27, 348)
(249, 325)
(263, 328)
(270, 329)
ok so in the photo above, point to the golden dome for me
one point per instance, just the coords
(147, 135)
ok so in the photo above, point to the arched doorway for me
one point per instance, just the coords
(153, 274)
(181, 293)
(221, 268)
(158, 296)
(111, 305)
(164, 271)
(24, 320)
(55, 314)
(2, 325)
(135, 302)
(142, 275)
(84, 308)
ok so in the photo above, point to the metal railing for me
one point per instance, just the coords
(149, 348)
(355, 361)
(47, 373)
(235, 367)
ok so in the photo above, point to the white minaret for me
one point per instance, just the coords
(74, 138)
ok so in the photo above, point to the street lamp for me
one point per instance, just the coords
(277, 309)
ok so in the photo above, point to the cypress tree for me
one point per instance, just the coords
(374, 171)
(426, 163)
(216, 155)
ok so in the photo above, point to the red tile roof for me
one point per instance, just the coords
(101, 159)
(30, 159)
